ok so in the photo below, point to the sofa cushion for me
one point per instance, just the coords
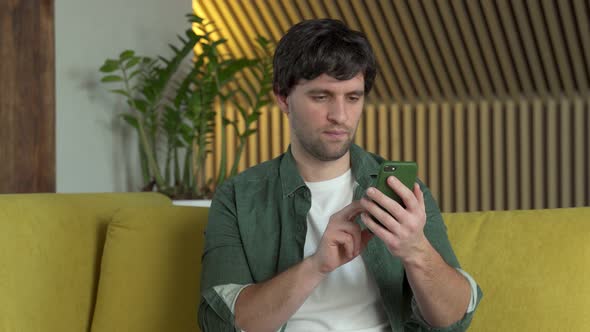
(50, 249)
(533, 267)
(150, 272)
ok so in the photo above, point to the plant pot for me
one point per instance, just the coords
(193, 202)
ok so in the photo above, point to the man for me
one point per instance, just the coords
(291, 244)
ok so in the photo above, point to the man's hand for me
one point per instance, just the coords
(342, 241)
(268, 305)
(442, 293)
(403, 228)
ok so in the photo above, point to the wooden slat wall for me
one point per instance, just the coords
(494, 90)
(27, 96)
(484, 155)
(439, 50)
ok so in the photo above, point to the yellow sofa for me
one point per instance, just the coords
(533, 267)
(98, 262)
(131, 262)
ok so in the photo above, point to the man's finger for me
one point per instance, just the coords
(386, 204)
(357, 244)
(345, 243)
(354, 230)
(407, 195)
(419, 194)
(351, 211)
(380, 231)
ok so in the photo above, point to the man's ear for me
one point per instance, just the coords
(283, 103)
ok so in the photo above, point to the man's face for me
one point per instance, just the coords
(324, 114)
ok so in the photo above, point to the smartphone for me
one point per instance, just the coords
(405, 171)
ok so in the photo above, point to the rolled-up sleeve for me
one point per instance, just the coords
(436, 232)
(475, 293)
(223, 263)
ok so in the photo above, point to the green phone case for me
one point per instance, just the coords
(405, 171)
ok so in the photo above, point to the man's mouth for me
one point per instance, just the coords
(337, 133)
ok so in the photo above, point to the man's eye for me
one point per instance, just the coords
(354, 98)
(319, 97)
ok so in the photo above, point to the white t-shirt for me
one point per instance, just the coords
(348, 299)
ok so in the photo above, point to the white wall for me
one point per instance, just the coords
(96, 150)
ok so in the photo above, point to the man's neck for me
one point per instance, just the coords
(314, 170)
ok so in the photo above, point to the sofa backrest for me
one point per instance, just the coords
(150, 270)
(50, 249)
(533, 267)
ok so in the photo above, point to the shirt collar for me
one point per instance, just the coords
(291, 180)
(364, 169)
(365, 166)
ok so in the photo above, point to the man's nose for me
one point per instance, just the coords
(337, 112)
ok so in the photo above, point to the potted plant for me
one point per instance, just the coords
(173, 108)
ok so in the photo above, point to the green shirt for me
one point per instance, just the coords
(257, 227)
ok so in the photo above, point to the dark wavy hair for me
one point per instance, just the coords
(322, 46)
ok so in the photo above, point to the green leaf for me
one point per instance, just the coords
(164, 60)
(249, 132)
(131, 120)
(132, 62)
(141, 105)
(121, 92)
(133, 74)
(263, 42)
(174, 48)
(111, 78)
(194, 18)
(109, 66)
(182, 40)
(218, 42)
(263, 102)
(126, 55)
(243, 112)
(227, 96)
(253, 117)
(228, 73)
(191, 35)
